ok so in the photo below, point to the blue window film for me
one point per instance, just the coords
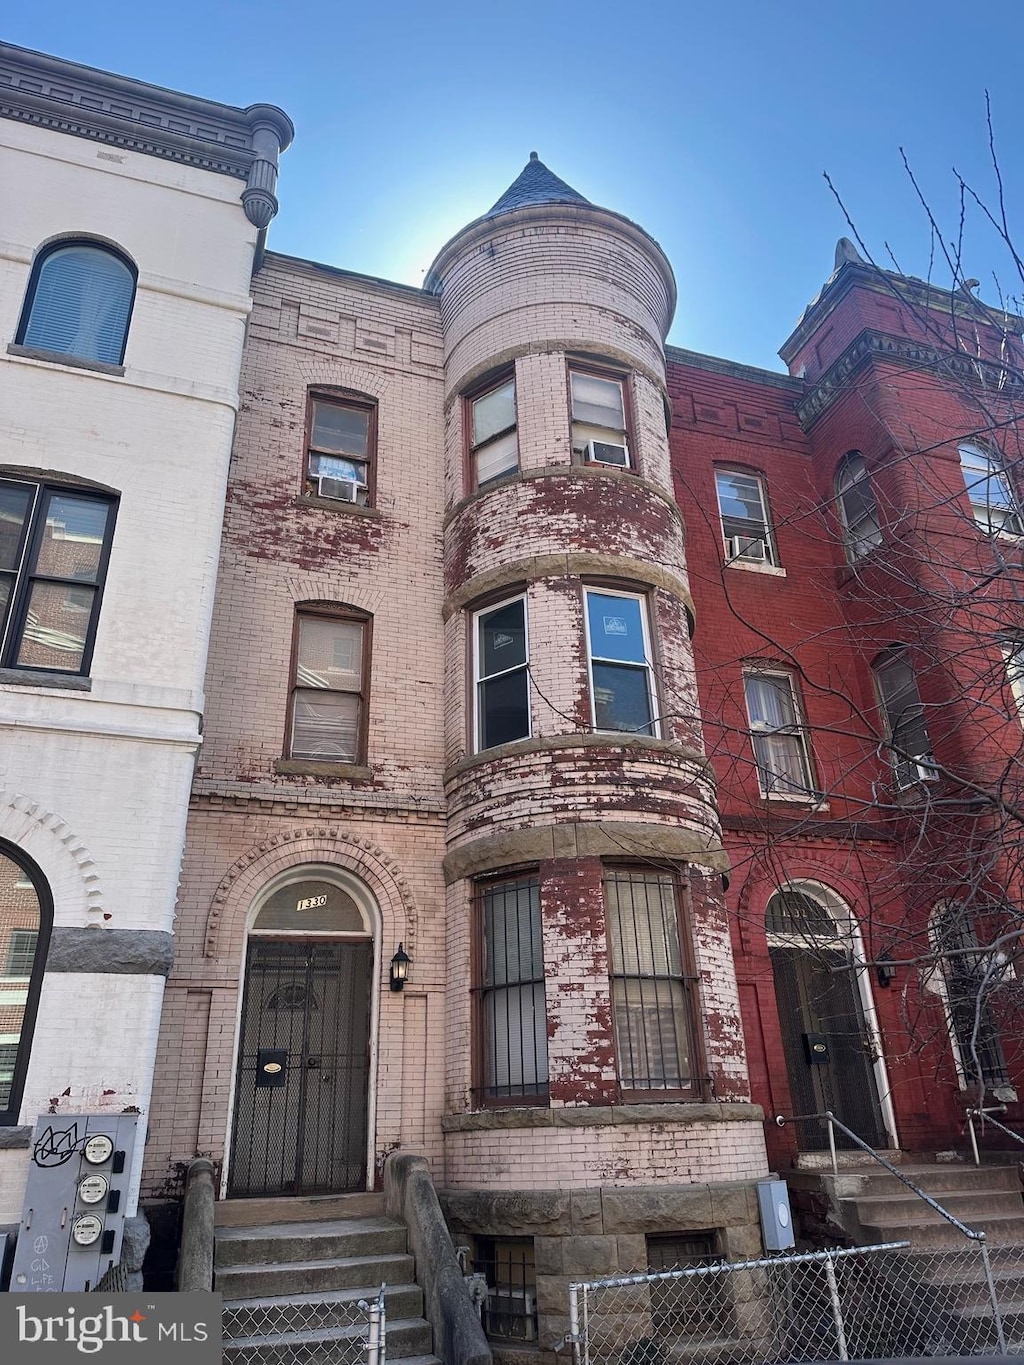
(616, 628)
(81, 304)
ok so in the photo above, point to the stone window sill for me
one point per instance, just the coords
(307, 767)
(336, 505)
(772, 570)
(57, 358)
(30, 677)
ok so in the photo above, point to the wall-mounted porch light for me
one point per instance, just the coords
(400, 969)
(885, 970)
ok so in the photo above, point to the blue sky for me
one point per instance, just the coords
(708, 124)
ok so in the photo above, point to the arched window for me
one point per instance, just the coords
(26, 915)
(993, 505)
(858, 511)
(79, 302)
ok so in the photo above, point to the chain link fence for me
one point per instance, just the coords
(306, 1331)
(862, 1303)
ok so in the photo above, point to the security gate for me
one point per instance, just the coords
(301, 1100)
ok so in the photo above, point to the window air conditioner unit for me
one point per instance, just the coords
(606, 452)
(342, 490)
(750, 548)
(517, 1308)
(920, 769)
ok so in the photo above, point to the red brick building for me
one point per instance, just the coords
(854, 555)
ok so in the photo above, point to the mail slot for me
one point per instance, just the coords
(816, 1049)
(271, 1067)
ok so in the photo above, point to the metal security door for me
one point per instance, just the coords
(303, 1068)
(828, 1053)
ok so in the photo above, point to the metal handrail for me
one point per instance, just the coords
(975, 1235)
(833, 1122)
(986, 1117)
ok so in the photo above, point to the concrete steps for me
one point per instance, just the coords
(876, 1207)
(292, 1273)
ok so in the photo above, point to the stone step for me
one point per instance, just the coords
(244, 1213)
(310, 1312)
(932, 1179)
(405, 1338)
(999, 1232)
(262, 1280)
(882, 1209)
(286, 1242)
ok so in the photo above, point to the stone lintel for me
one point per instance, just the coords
(131, 952)
(581, 839)
(600, 1116)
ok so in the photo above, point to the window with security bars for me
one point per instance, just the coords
(687, 1306)
(511, 1002)
(778, 736)
(653, 988)
(510, 1309)
(21, 952)
(328, 698)
(971, 976)
(79, 303)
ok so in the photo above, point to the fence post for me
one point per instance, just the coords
(375, 1336)
(837, 1307)
(997, 1317)
(574, 1323)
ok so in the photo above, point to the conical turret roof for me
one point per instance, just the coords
(535, 185)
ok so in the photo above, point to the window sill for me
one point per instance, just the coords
(311, 767)
(33, 677)
(57, 358)
(336, 505)
(814, 804)
(772, 570)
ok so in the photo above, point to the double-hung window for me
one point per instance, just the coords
(339, 458)
(328, 697)
(903, 712)
(778, 735)
(79, 303)
(652, 984)
(599, 423)
(744, 510)
(512, 1019)
(858, 511)
(501, 674)
(493, 443)
(54, 548)
(619, 651)
(993, 505)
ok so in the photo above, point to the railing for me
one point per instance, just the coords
(986, 1116)
(975, 1234)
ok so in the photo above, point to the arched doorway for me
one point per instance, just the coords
(302, 1093)
(831, 1046)
(26, 915)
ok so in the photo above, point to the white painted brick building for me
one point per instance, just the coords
(117, 417)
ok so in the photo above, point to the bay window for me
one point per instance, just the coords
(501, 665)
(512, 1019)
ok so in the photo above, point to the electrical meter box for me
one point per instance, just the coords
(73, 1222)
(776, 1216)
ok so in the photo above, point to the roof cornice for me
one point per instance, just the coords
(49, 92)
(998, 381)
(904, 289)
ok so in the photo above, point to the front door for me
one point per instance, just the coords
(300, 1122)
(827, 1045)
